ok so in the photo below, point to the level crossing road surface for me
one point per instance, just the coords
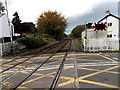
(81, 70)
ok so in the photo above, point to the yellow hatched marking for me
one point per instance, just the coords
(46, 75)
(46, 64)
(66, 83)
(29, 62)
(92, 60)
(99, 70)
(38, 58)
(100, 84)
(38, 78)
(86, 59)
(33, 73)
(107, 58)
(52, 62)
(4, 75)
(12, 65)
(58, 56)
(82, 54)
(89, 75)
(6, 60)
(24, 88)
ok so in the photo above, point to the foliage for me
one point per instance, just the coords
(31, 42)
(2, 8)
(6, 53)
(52, 23)
(77, 31)
(16, 22)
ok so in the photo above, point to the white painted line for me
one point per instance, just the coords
(106, 55)
(96, 65)
(66, 66)
(115, 58)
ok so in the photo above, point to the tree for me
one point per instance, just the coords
(52, 23)
(16, 22)
(2, 8)
(76, 32)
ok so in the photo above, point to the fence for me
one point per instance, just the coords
(102, 45)
(10, 48)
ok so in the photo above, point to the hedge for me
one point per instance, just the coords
(31, 42)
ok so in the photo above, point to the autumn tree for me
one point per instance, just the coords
(52, 23)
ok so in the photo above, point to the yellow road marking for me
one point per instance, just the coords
(98, 83)
(92, 74)
(82, 54)
(38, 58)
(4, 75)
(89, 75)
(6, 60)
(46, 75)
(38, 78)
(58, 56)
(86, 59)
(12, 65)
(24, 88)
(52, 62)
(91, 60)
(107, 58)
(24, 72)
(99, 70)
(66, 83)
(46, 64)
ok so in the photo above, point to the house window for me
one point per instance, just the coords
(109, 36)
(109, 24)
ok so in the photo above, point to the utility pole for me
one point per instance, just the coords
(85, 37)
(6, 7)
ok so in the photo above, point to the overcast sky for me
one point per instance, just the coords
(77, 11)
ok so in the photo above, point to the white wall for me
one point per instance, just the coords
(0, 27)
(5, 26)
(114, 29)
(98, 39)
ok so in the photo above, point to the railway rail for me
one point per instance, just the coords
(44, 50)
(53, 49)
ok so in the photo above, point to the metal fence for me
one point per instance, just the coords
(102, 45)
(10, 48)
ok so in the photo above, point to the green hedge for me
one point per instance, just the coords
(31, 42)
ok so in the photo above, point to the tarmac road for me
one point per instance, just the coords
(81, 70)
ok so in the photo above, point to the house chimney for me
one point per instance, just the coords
(107, 12)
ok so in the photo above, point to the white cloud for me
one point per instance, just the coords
(29, 10)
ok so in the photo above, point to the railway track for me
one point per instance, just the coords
(57, 76)
(54, 49)
(44, 50)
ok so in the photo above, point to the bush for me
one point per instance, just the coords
(31, 42)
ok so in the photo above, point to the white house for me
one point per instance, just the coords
(6, 31)
(103, 40)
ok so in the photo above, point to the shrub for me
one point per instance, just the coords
(31, 42)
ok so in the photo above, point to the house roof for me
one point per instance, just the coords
(108, 16)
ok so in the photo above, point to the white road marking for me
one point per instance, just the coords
(106, 55)
(66, 66)
(115, 58)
